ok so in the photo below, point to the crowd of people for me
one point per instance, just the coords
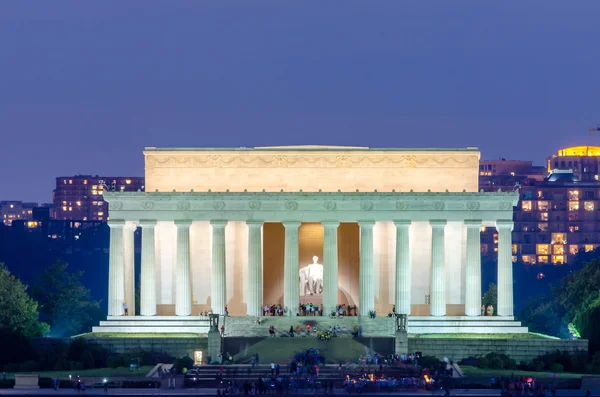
(310, 309)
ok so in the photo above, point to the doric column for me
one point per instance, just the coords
(129, 264)
(437, 298)
(366, 297)
(473, 268)
(183, 282)
(218, 294)
(330, 265)
(505, 270)
(148, 269)
(291, 298)
(255, 276)
(403, 280)
(116, 269)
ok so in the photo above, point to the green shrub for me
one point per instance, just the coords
(430, 362)
(183, 362)
(7, 383)
(512, 364)
(29, 366)
(538, 365)
(556, 367)
(87, 360)
(76, 366)
(114, 361)
(499, 356)
(483, 362)
(62, 364)
(496, 363)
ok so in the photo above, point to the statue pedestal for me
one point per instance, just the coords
(215, 346)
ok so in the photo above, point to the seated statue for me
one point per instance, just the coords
(311, 278)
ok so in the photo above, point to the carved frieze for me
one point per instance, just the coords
(473, 205)
(147, 205)
(506, 205)
(115, 205)
(401, 205)
(183, 205)
(219, 205)
(254, 205)
(366, 205)
(291, 205)
(329, 205)
(438, 205)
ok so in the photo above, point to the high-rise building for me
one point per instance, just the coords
(507, 174)
(583, 161)
(15, 210)
(80, 197)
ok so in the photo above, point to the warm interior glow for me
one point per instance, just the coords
(579, 151)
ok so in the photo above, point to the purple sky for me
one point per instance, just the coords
(85, 85)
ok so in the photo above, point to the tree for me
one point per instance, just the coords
(64, 302)
(491, 297)
(18, 312)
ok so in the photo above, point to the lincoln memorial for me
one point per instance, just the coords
(375, 228)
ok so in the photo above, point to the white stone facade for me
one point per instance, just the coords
(416, 212)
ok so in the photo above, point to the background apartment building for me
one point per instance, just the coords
(80, 197)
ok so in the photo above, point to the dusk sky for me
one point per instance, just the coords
(86, 85)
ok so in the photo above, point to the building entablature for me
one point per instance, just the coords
(312, 207)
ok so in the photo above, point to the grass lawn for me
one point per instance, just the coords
(98, 372)
(144, 335)
(282, 350)
(530, 335)
(488, 373)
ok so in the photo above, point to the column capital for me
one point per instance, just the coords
(218, 222)
(254, 223)
(402, 222)
(332, 224)
(474, 223)
(291, 224)
(147, 223)
(183, 222)
(366, 223)
(116, 223)
(504, 224)
(130, 226)
(437, 222)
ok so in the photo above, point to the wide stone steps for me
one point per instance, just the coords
(154, 324)
(465, 324)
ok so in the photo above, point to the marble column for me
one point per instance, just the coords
(148, 269)
(366, 290)
(473, 268)
(291, 297)
(116, 269)
(183, 281)
(255, 276)
(129, 264)
(218, 293)
(403, 265)
(437, 297)
(505, 268)
(330, 267)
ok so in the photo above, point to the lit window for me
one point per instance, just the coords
(543, 258)
(128, 181)
(514, 249)
(484, 248)
(64, 202)
(558, 249)
(543, 249)
(85, 218)
(94, 187)
(543, 205)
(100, 213)
(589, 206)
(29, 212)
(526, 206)
(70, 181)
(558, 259)
(65, 181)
(573, 228)
(12, 206)
(573, 195)
(482, 229)
(528, 259)
(540, 194)
(543, 227)
(78, 203)
(85, 181)
(573, 249)
(543, 216)
(495, 249)
(100, 203)
(70, 208)
(64, 208)
(573, 205)
(514, 258)
(559, 238)
(512, 174)
(588, 247)
(94, 192)
(99, 218)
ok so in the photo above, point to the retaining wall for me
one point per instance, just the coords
(518, 349)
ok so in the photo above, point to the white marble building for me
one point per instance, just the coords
(415, 245)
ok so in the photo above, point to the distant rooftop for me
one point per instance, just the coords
(579, 151)
(310, 148)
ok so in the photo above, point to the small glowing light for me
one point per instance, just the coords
(103, 380)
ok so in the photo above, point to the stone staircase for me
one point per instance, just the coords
(465, 325)
(247, 326)
(154, 325)
(207, 375)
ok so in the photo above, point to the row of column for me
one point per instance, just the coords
(121, 268)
